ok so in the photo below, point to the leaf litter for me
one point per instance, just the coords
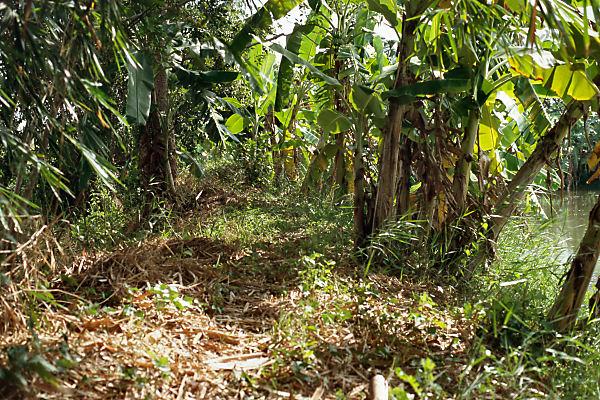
(199, 318)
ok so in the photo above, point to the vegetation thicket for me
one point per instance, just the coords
(205, 199)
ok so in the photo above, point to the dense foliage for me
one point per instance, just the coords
(433, 120)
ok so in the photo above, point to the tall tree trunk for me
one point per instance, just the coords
(339, 163)
(404, 165)
(508, 201)
(360, 218)
(156, 146)
(390, 165)
(563, 313)
(386, 186)
(548, 145)
(462, 172)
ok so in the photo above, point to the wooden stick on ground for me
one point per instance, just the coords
(378, 388)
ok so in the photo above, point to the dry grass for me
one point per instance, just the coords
(233, 322)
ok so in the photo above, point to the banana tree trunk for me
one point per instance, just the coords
(339, 163)
(360, 217)
(508, 201)
(339, 175)
(563, 313)
(391, 167)
(386, 188)
(156, 145)
(404, 168)
(462, 173)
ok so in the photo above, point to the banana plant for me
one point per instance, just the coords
(167, 51)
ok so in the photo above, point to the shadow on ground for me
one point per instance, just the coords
(209, 318)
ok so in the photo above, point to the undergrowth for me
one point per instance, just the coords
(273, 271)
(517, 352)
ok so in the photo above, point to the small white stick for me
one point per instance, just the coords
(378, 388)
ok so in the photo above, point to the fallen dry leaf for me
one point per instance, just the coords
(101, 323)
(222, 336)
(241, 361)
(318, 394)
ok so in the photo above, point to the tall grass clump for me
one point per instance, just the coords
(518, 354)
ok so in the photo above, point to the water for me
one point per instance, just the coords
(569, 219)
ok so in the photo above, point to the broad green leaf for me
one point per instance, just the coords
(235, 124)
(365, 101)
(530, 100)
(249, 71)
(333, 121)
(285, 116)
(261, 63)
(564, 81)
(510, 133)
(364, 27)
(139, 88)
(388, 9)
(516, 5)
(531, 64)
(302, 42)
(217, 120)
(203, 79)
(261, 20)
(488, 130)
(307, 115)
(297, 60)
(233, 102)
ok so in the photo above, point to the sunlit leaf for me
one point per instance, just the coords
(235, 124)
(262, 19)
(387, 8)
(488, 130)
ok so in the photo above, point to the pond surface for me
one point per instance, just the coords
(569, 219)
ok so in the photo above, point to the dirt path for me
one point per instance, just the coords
(193, 319)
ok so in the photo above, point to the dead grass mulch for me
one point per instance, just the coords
(194, 319)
